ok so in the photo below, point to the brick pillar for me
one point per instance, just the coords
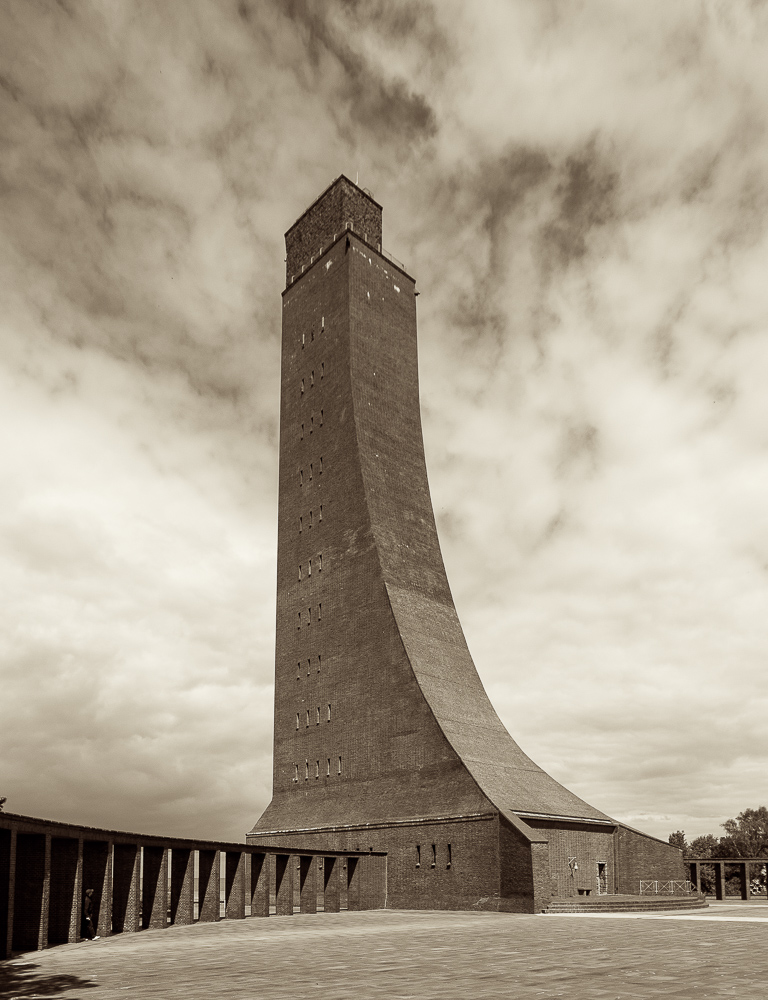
(283, 866)
(154, 896)
(234, 885)
(125, 889)
(45, 902)
(353, 883)
(719, 879)
(182, 886)
(32, 871)
(63, 910)
(331, 900)
(7, 878)
(744, 879)
(76, 914)
(307, 884)
(694, 870)
(259, 885)
(209, 886)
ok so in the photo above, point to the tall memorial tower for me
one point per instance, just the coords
(384, 735)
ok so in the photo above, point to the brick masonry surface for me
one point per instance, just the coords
(432, 956)
(381, 720)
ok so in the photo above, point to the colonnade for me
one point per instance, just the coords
(141, 882)
(743, 865)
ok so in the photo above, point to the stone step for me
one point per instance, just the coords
(625, 904)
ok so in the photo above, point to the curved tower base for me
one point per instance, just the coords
(384, 735)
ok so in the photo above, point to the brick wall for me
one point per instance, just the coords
(340, 204)
(644, 857)
(589, 845)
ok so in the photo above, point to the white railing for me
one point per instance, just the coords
(671, 888)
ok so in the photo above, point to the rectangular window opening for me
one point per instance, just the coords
(317, 768)
(312, 334)
(329, 713)
(320, 562)
(310, 519)
(322, 324)
(302, 432)
(418, 855)
(295, 772)
(299, 570)
(339, 765)
(322, 369)
(309, 663)
(317, 721)
(309, 568)
(321, 418)
(306, 769)
(301, 477)
(302, 387)
(434, 856)
(299, 625)
(450, 859)
(311, 423)
(321, 465)
(297, 720)
(311, 378)
(309, 616)
(319, 612)
(321, 513)
(303, 339)
(311, 469)
(318, 662)
(328, 772)
(307, 717)
(300, 525)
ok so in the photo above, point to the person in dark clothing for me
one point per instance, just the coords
(89, 928)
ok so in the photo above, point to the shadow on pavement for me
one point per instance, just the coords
(25, 981)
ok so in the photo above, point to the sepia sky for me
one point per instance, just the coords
(580, 190)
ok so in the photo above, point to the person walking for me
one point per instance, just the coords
(89, 928)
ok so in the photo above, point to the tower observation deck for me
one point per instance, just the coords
(384, 735)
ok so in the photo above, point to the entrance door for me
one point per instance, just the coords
(602, 878)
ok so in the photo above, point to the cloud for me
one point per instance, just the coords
(579, 193)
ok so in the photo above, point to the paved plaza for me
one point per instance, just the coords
(719, 952)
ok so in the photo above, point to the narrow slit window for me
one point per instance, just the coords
(311, 422)
(319, 611)
(328, 772)
(301, 522)
(297, 720)
(339, 765)
(299, 624)
(322, 324)
(299, 570)
(320, 562)
(319, 662)
(312, 334)
(309, 616)
(317, 721)
(321, 513)
(310, 519)
(312, 378)
(317, 768)
(321, 418)
(302, 432)
(321, 465)
(306, 769)
(307, 717)
(311, 469)
(303, 340)
(329, 714)
(450, 859)
(295, 772)
(301, 477)
(309, 664)
(322, 369)
(418, 855)
(302, 387)
(298, 670)
(434, 856)
(309, 568)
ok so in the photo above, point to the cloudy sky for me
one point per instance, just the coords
(580, 190)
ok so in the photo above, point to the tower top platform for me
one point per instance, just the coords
(343, 205)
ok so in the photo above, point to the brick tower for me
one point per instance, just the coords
(384, 736)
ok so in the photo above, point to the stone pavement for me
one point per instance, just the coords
(426, 955)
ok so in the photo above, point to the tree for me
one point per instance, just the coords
(677, 839)
(747, 835)
(704, 847)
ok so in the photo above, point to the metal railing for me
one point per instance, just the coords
(673, 887)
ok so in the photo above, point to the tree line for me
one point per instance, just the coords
(746, 836)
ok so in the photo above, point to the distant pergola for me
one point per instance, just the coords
(743, 864)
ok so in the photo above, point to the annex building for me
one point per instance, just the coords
(385, 739)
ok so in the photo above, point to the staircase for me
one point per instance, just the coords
(625, 904)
